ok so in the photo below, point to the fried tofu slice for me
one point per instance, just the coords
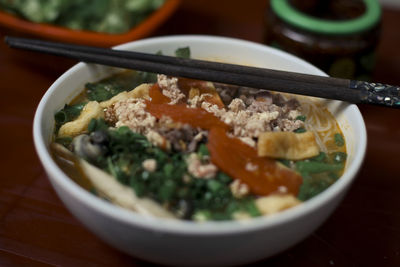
(205, 91)
(287, 145)
(108, 187)
(193, 92)
(141, 91)
(90, 111)
(275, 203)
(94, 110)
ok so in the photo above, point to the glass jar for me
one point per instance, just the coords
(338, 36)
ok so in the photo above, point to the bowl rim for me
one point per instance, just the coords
(190, 227)
(86, 37)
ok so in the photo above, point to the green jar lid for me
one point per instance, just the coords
(289, 14)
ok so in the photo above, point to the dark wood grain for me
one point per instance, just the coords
(37, 230)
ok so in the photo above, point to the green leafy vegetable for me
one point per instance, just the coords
(312, 186)
(320, 158)
(300, 130)
(316, 167)
(97, 125)
(319, 173)
(203, 150)
(170, 184)
(68, 113)
(339, 141)
(110, 16)
(301, 117)
(125, 81)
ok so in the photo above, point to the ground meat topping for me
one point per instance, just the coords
(149, 165)
(131, 113)
(214, 109)
(169, 86)
(157, 140)
(197, 100)
(237, 105)
(199, 169)
(249, 115)
(182, 138)
(226, 92)
(258, 112)
(239, 189)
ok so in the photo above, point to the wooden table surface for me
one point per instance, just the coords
(37, 230)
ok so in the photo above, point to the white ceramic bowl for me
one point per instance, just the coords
(188, 243)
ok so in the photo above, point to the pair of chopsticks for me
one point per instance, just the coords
(296, 83)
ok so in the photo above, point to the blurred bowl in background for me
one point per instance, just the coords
(58, 33)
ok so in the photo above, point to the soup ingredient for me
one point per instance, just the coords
(339, 141)
(183, 52)
(287, 145)
(196, 117)
(275, 203)
(194, 153)
(319, 173)
(308, 167)
(68, 113)
(73, 128)
(262, 175)
(170, 184)
(106, 186)
(259, 180)
(83, 147)
(109, 16)
(141, 91)
(112, 86)
(124, 196)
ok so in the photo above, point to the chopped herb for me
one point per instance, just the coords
(183, 52)
(126, 152)
(97, 125)
(203, 150)
(224, 178)
(301, 118)
(300, 130)
(214, 185)
(124, 81)
(320, 158)
(339, 141)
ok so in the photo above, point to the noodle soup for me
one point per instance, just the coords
(180, 242)
(194, 150)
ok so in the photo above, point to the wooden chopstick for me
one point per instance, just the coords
(261, 78)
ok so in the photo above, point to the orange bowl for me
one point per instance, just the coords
(63, 34)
